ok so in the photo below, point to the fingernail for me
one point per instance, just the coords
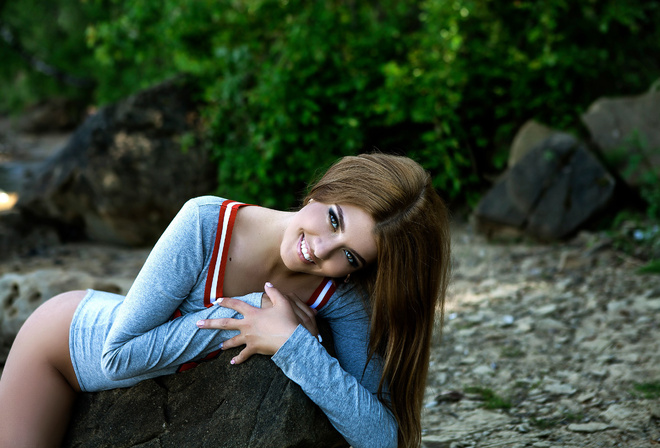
(218, 302)
(200, 323)
(222, 345)
(319, 338)
(269, 284)
(232, 361)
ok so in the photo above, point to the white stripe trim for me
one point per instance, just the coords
(221, 248)
(322, 294)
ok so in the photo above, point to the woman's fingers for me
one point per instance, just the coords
(274, 294)
(234, 304)
(225, 323)
(305, 314)
(236, 341)
(262, 330)
(243, 356)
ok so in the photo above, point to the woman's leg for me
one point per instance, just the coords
(38, 384)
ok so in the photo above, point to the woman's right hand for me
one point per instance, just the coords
(262, 330)
(305, 314)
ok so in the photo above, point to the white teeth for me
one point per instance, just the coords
(305, 250)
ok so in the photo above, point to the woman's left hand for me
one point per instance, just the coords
(262, 330)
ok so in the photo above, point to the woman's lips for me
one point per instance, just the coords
(303, 251)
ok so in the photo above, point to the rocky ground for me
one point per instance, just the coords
(543, 346)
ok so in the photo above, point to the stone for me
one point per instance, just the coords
(528, 136)
(18, 236)
(625, 128)
(21, 294)
(559, 185)
(546, 310)
(559, 389)
(483, 370)
(124, 173)
(496, 213)
(52, 115)
(624, 417)
(588, 427)
(472, 423)
(556, 188)
(215, 404)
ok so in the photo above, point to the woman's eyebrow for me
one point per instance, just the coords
(340, 216)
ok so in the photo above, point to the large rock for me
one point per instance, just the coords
(21, 294)
(528, 136)
(627, 130)
(216, 404)
(124, 174)
(553, 190)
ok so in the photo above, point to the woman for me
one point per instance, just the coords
(369, 251)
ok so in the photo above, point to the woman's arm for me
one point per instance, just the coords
(343, 388)
(142, 338)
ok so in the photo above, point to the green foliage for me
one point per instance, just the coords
(632, 231)
(292, 85)
(649, 390)
(636, 234)
(566, 418)
(652, 267)
(51, 33)
(490, 398)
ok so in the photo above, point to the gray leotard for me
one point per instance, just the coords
(118, 341)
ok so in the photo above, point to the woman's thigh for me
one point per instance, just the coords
(38, 384)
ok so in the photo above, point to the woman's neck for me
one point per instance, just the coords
(254, 255)
(265, 228)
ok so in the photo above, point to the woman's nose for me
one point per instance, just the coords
(322, 248)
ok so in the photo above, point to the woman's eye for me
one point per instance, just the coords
(333, 219)
(351, 259)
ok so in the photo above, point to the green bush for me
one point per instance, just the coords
(292, 85)
(38, 36)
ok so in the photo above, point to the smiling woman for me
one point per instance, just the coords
(225, 274)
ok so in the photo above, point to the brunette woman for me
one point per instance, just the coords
(368, 251)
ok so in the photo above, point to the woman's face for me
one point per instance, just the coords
(330, 240)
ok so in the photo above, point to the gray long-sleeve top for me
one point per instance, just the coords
(117, 341)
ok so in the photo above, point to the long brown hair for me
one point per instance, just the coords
(406, 287)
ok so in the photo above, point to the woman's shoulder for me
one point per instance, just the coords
(208, 200)
(346, 301)
(206, 205)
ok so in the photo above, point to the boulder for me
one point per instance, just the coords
(126, 170)
(215, 404)
(627, 131)
(553, 190)
(20, 237)
(21, 294)
(528, 136)
(52, 115)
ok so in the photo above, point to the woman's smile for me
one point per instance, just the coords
(304, 250)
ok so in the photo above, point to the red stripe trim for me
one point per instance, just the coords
(319, 289)
(328, 294)
(214, 256)
(316, 293)
(225, 251)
